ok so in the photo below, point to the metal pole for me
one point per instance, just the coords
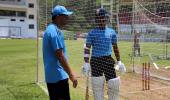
(20, 32)
(111, 11)
(101, 3)
(166, 45)
(46, 7)
(52, 5)
(132, 30)
(37, 67)
(143, 64)
(117, 16)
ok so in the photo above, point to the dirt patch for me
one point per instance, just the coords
(131, 88)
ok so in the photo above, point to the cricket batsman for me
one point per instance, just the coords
(102, 66)
(136, 43)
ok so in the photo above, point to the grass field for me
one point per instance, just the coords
(18, 67)
(17, 71)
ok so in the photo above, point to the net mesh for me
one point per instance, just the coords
(143, 35)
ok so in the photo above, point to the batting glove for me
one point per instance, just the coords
(86, 69)
(120, 66)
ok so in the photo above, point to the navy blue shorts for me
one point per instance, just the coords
(59, 90)
(103, 65)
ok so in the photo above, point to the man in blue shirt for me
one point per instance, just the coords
(57, 69)
(102, 39)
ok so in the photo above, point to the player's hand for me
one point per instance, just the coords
(86, 69)
(120, 66)
(74, 81)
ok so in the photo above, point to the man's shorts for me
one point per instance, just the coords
(59, 90)
(136, 46)
(103, 65)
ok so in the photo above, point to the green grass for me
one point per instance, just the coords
(17, 71)
(18, 66)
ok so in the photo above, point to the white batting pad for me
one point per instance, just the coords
(113, 88)
(98, 87)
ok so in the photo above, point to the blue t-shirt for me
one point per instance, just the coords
(101, 41)
(53, 39)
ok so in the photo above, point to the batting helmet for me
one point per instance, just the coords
(101, 12)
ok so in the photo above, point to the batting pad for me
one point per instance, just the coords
(98, 87)
(113, 88)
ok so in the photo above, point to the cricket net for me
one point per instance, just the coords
(142, 22)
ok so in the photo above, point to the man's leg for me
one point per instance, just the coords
(136, 52)
(139, 51)
(97, 78)
(59, 90)
(112, 79)
(98, 87)
(113, 88)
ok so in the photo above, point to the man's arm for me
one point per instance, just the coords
(121, 66)
(116, 51)
(87, 52)
(86, 67)
(60, 55)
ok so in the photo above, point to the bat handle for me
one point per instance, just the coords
(87, 87)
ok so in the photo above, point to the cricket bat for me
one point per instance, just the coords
(87, 87)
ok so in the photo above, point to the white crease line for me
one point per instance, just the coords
(43, 88)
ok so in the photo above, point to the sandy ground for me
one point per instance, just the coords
(131, 86)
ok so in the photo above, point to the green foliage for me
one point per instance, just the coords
(82, 18)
